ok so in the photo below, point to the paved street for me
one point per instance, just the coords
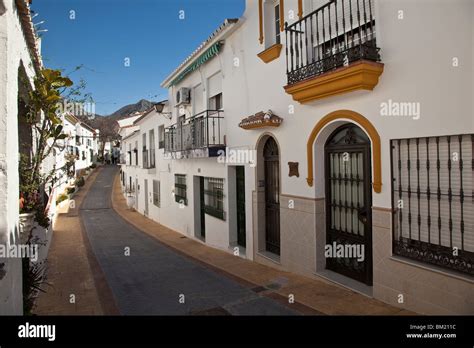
(154, 278)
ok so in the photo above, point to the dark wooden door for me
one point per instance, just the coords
(240, 181)
(272, 196)
(349, 203)
(202, 205)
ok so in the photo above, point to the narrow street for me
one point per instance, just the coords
(152, 279)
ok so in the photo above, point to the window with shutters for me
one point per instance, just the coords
(161, 137)
(215, 102)
(180, 195)
(432, 192)
(215, 91)
(277, 24)
(214, 197)
(156, 193)
(198, 95)
(272, 22)
(151, 151)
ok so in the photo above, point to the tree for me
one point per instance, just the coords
(50, 88)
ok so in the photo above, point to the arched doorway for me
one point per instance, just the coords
(272, 196)
(349, 203)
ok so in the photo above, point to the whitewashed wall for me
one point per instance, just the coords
(84, 135)
(417, 52)
(13, 50)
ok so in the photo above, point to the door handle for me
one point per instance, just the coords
(362, 215)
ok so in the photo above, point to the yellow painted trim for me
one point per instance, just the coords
(282, 15)
(260, 19)
(366, 125)
(359, 75)
(300, 8)
(271, 53)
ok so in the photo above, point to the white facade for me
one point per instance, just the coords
(16, 44)
(86, 146)
(82, 141)
(437, 79)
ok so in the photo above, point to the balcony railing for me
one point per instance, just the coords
(335, 35)
(200, 132)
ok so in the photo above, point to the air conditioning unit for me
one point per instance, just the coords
(183, 96)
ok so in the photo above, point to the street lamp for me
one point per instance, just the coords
(159, 109)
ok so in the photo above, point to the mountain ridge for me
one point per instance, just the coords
(107, 125)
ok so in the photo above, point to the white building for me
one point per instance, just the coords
(126, 127)
(82, 141)
(86, 146)
(19, 62)
(358, 139)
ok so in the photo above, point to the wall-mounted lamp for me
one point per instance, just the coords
(159, 109)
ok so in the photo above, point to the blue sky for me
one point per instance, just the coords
(106, 32)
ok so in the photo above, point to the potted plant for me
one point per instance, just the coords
(80, 181)
(28, 203)
(62, 198)
(71, 190)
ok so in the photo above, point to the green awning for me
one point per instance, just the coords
(203, 58)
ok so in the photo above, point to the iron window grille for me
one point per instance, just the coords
(156, 193)
(180, 195)
(334, 35)
(432, 199)
(214, 197)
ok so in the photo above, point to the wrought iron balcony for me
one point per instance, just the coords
(199, 136)
(333, 38)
